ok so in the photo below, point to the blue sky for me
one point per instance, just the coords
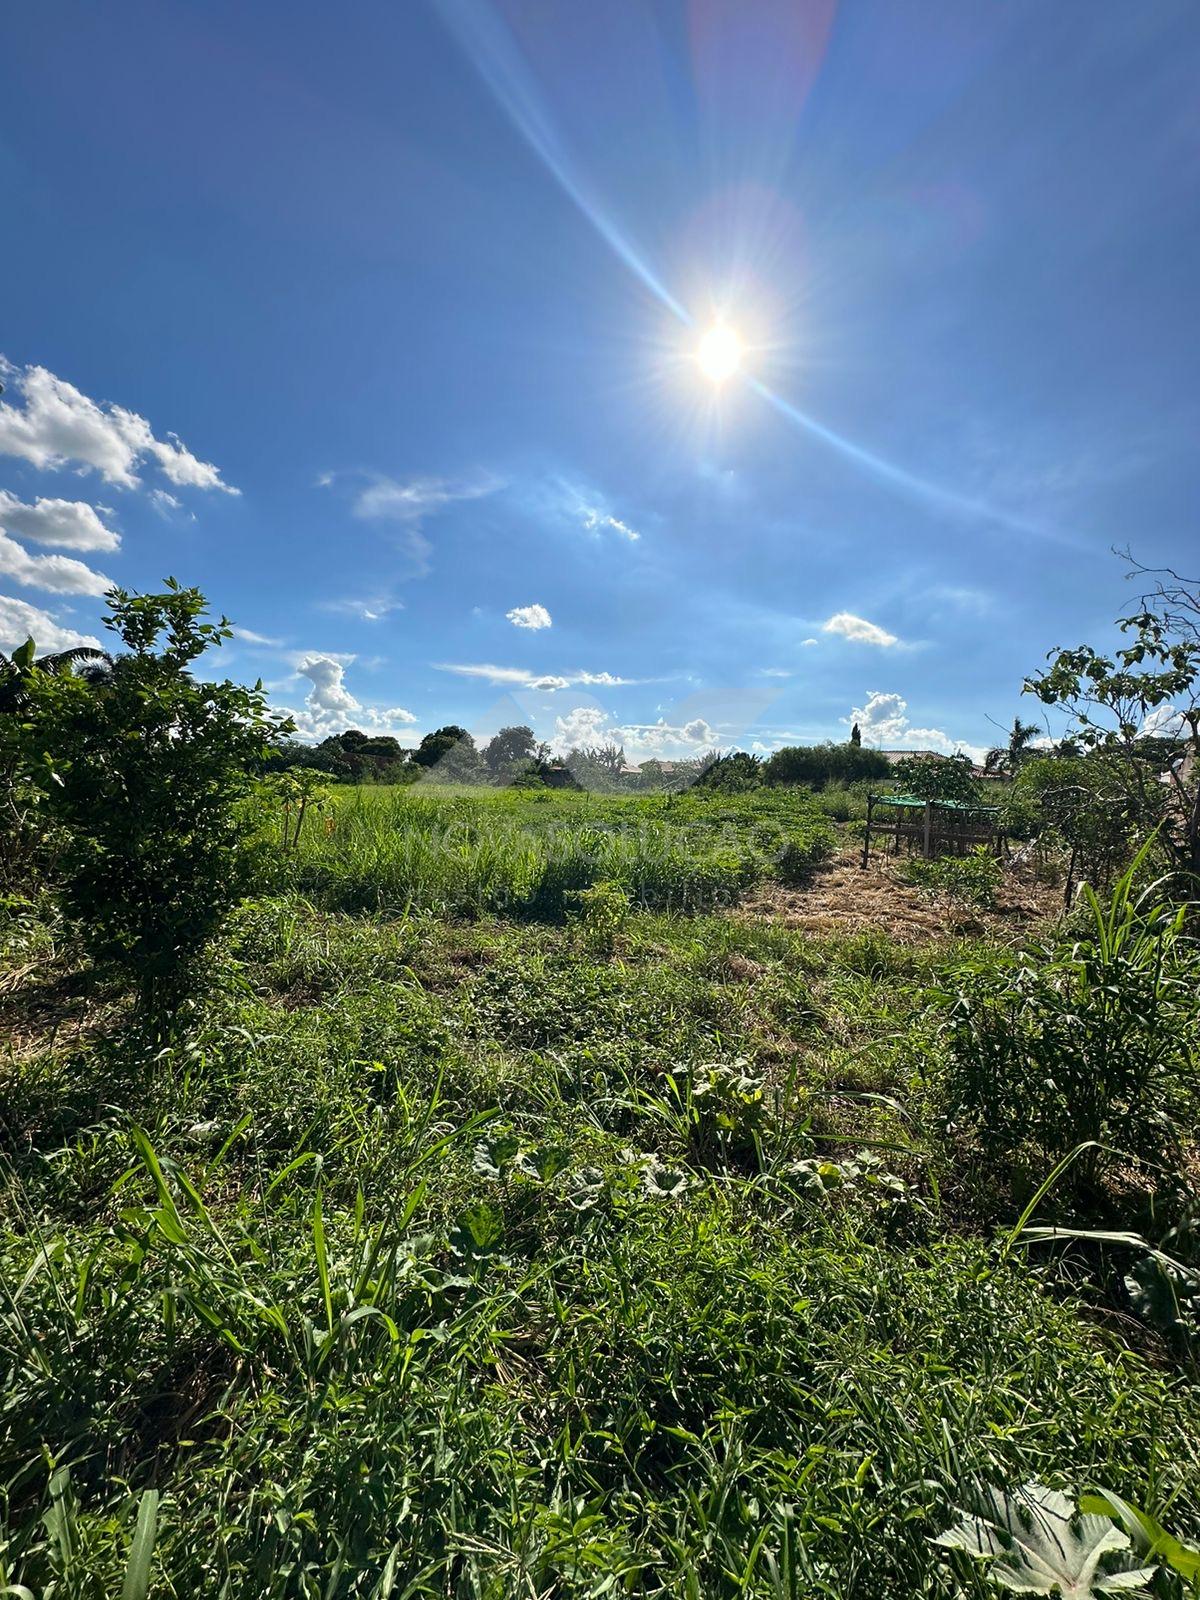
(379, 322)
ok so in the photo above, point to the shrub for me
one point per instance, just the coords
(973, 878)
(144, 771)
(1091, 1040)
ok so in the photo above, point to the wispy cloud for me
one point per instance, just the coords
(408, 503)
(522, 678)
(859, 630)
(59, 426)
(368, 608)
(248, 636)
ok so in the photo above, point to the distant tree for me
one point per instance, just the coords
(511, 751)
(449, 753)
(435, 745)
(938, 778)
(731, 774)
(597, 766)
(821, 764)
(855, 736)
(1127, 703)
(144, 772)
(1008, 757)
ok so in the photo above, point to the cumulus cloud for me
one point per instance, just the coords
(329, 706)
(20, 621)
(534, 617)
(858, 629)
(59, 574)
(522, 678)
(72, 524)
(884, 722)
(641, 741)
(59, 426)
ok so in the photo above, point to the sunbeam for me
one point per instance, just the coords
(489, 46)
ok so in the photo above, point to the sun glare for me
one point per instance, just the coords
(720, 353)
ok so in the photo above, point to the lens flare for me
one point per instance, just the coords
(720, 354)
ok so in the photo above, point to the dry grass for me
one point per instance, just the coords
(842, 898)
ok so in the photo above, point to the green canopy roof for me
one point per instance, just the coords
(940, 805)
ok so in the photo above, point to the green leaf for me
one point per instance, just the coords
(1036, 1544)
(1149, 1538)
(137, 1572)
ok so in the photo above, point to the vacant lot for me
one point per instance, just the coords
(484, 1239)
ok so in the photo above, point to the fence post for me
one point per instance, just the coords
(867, 837)
(928, 827)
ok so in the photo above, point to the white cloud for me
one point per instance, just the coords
(73, 524)
(369, 608)
(806, 642)
(884, 722)
(534, 616)
(248, 636)
(408, 503)
(859, 630)
(776, 672)
(328, 693)
(596, 521)
(59, 425)
(59, 574)
(330, 707)
(590, 725)
(521, 677)
(20, 621)
(1163, 722)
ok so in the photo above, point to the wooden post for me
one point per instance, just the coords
(928, 827)
(867, 837)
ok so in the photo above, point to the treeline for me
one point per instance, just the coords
(514, 756)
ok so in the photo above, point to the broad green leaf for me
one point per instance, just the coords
(1037, 1544)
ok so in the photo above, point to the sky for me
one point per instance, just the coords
(380, 323)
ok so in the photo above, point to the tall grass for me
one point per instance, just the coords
(528, 855)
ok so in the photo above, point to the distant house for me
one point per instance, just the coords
(893, 756)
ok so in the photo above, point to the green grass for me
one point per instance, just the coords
(526, 853)
(458, 1257)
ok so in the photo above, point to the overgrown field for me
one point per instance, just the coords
(477, 1239)
(527, 852)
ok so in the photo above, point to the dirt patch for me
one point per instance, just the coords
(843, 898)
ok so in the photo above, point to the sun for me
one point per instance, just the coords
(720, 353)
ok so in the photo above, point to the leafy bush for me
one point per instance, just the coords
(143, 770)
(821, 764)
(973, 878)
(1090, 1040)
(601, 913)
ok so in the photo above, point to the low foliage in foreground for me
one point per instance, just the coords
(472, 1260)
